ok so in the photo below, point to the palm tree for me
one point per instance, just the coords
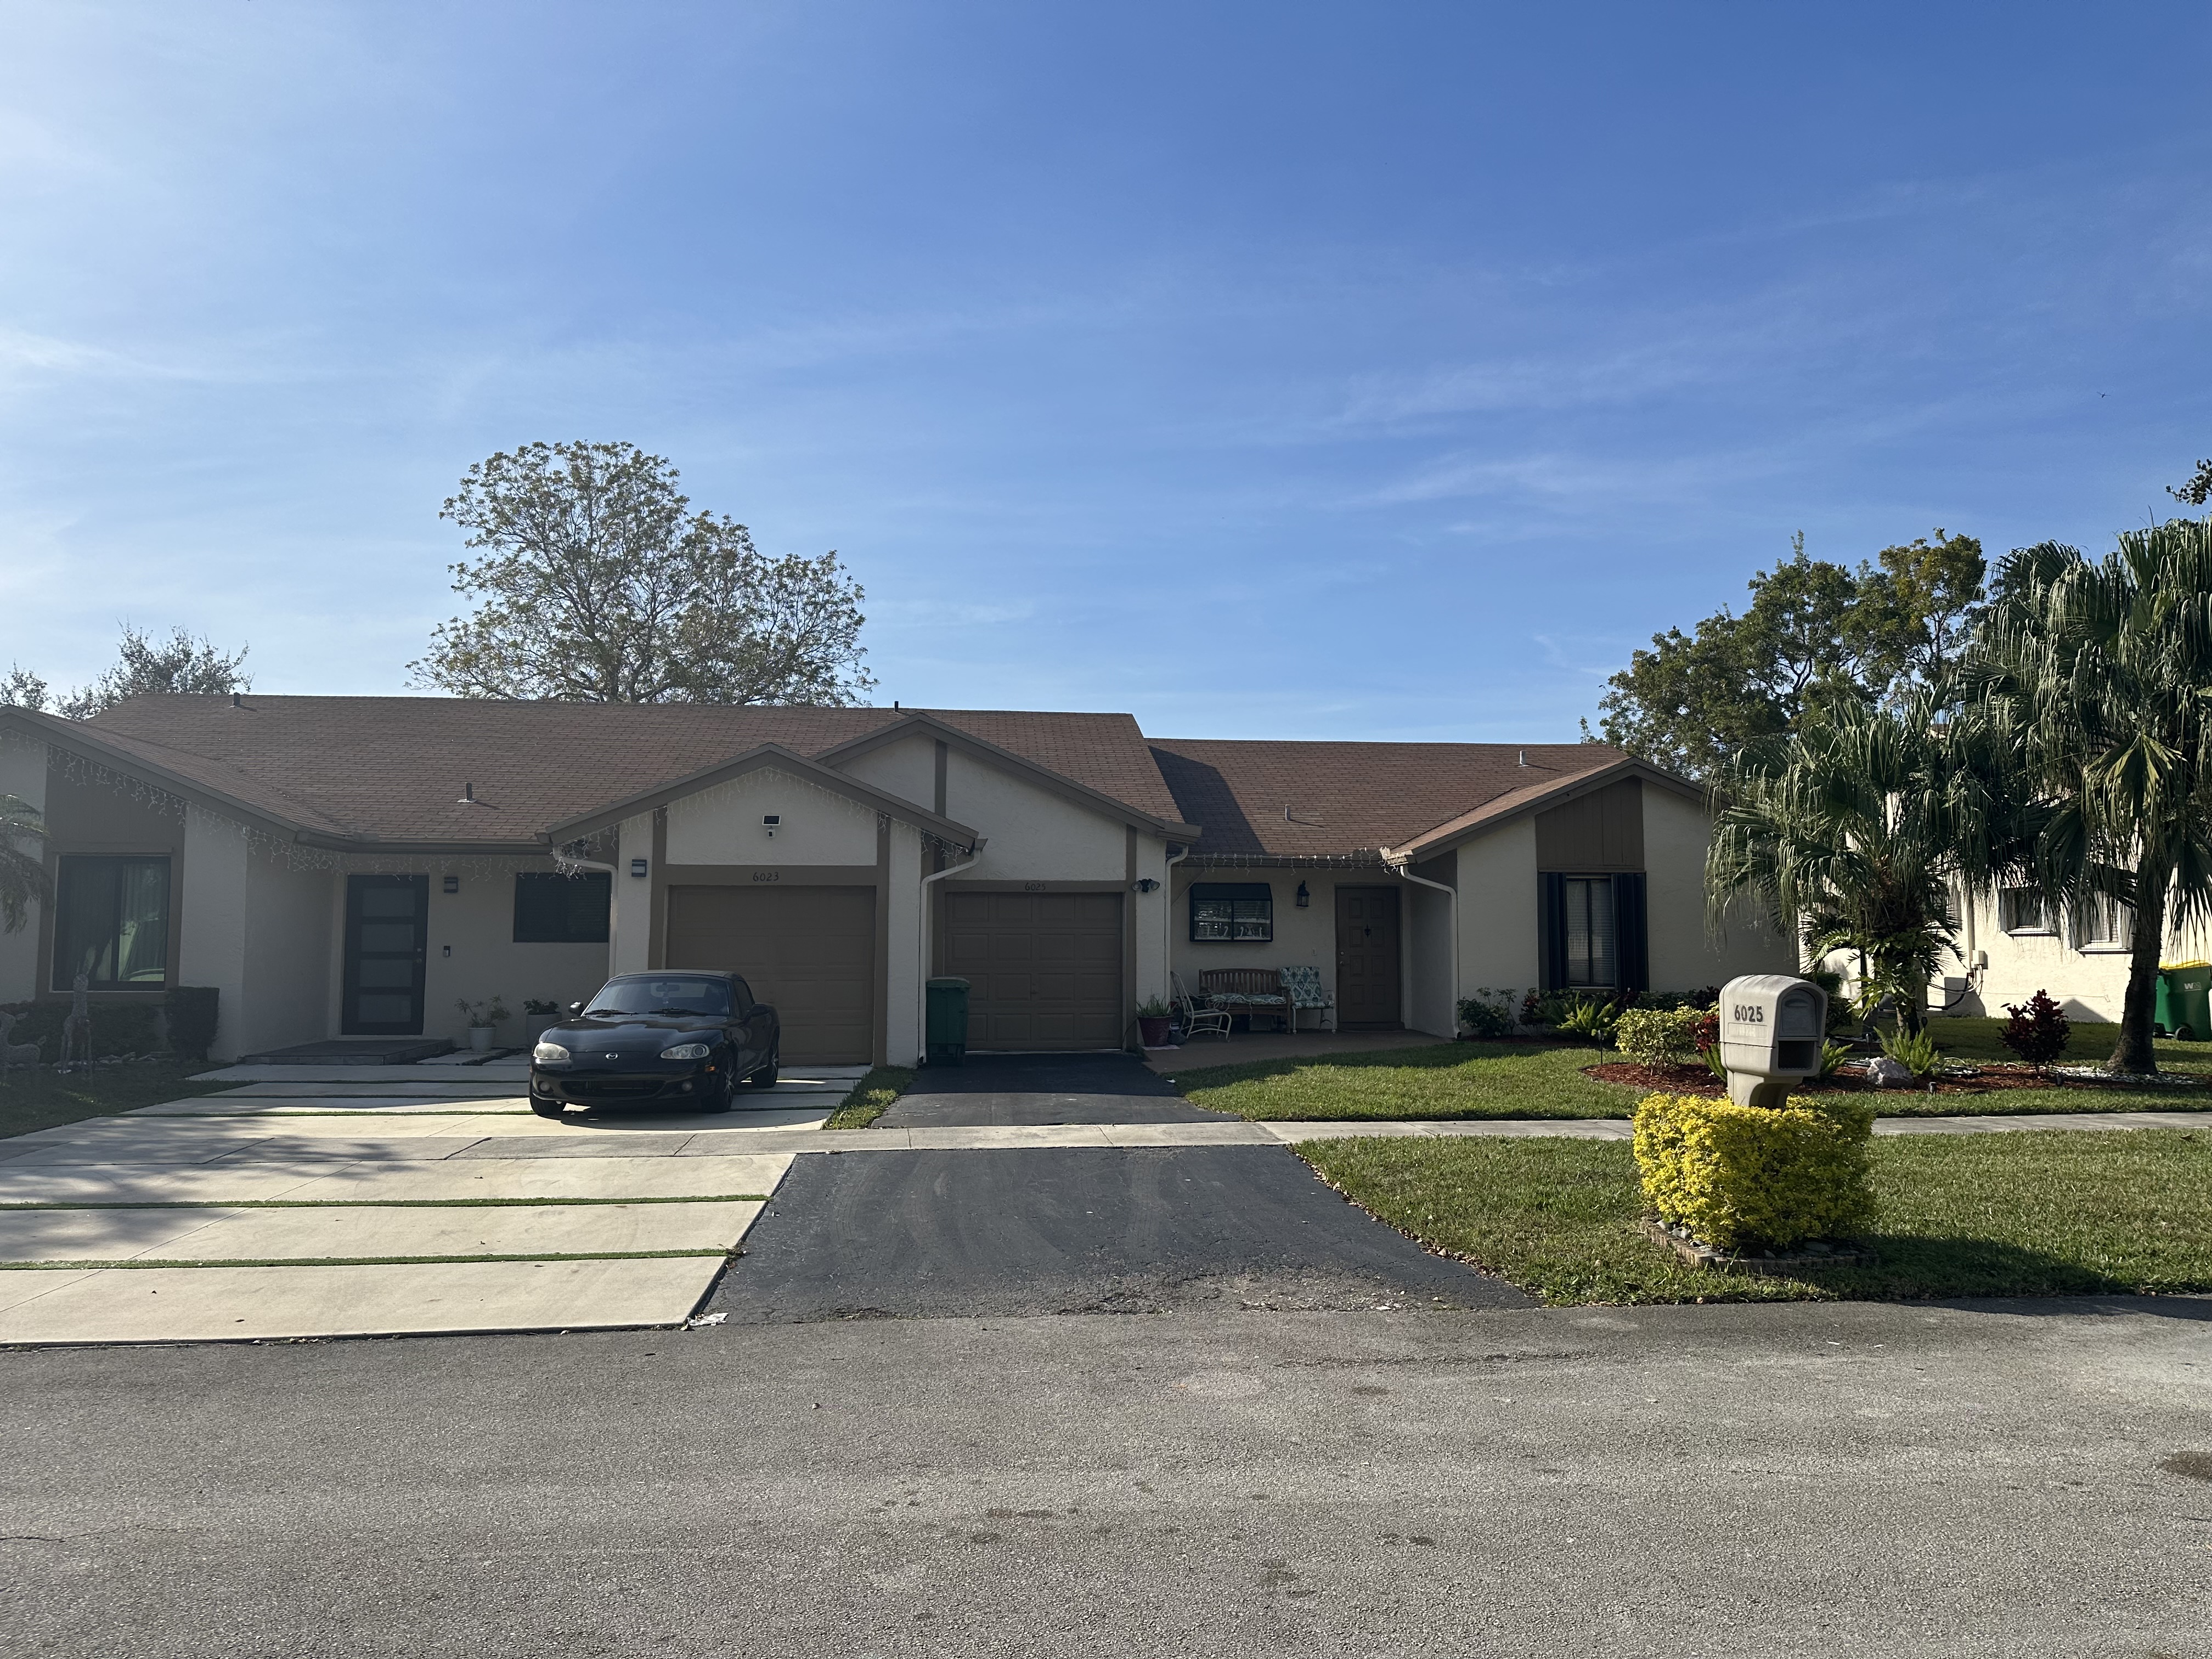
(1855, 830)
(2102, 674)
(22, 874)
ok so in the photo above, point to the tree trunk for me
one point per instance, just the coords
(2134, 1052)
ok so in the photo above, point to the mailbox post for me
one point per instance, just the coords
(1772, 1026)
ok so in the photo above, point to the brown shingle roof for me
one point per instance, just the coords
(1339, 799)
(393, 768)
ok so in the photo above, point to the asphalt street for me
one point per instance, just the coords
(1857, 1479)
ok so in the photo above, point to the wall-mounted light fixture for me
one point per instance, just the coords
(637, 866)
(452, 884)
(1148, 886)
(1305, 897)
(771, 821)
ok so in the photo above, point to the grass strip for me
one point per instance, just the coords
(354, 1261)
(367, 1203)
(1459, 1081)
(355, 1111)
(2064, 1213)
(872, 1098)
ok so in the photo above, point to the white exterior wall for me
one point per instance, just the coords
(1427, 928)
(208, 907)
(630, 940)
(473, 953)
(903, 971)
(1498, 905)
(1034, 833)
(722, 825)
(907, 768)
(1683, 956)
(1152, 918)
(2087, 982)
(22, 774)
(1303, 938)
(292, 976)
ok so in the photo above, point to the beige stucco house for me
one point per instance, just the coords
(358, 867)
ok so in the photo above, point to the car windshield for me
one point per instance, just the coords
(663, 994)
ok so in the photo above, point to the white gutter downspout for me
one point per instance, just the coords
(921, 978)
(1452, 911)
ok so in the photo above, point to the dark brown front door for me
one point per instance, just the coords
(1367, 958)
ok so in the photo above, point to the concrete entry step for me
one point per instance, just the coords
(353, 1051)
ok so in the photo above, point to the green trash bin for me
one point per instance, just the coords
(947, 1023)
(2185, 1000)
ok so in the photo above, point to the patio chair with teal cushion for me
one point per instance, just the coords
(1197, 1021)
(1305, 991)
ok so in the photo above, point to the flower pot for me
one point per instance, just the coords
(480, 1038)
(1153, 1033)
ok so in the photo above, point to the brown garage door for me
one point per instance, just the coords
(1044, 969)
(809, 951)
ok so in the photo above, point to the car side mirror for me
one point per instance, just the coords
(576, 1011)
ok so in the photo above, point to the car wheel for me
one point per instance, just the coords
(765, 1078)
(718, 1097)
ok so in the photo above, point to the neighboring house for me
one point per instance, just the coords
(356, 865)
(2013, 945)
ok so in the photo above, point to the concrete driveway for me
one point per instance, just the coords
(353, 1201)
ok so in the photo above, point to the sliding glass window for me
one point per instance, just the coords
(112, 923)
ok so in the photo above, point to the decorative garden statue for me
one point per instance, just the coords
(77, 1030)
(12, 1052)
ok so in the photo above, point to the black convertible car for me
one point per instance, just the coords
(676, 1038)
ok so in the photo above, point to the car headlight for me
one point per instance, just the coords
(548, 1051)
(687, 1051)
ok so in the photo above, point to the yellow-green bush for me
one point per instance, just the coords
(1745, 1176)
(1659, 1036)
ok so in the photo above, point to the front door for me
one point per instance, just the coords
(1367, 958)
(386, 940)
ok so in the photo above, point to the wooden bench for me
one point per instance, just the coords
(1247, 991)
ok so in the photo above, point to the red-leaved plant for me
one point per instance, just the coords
(2037, 1031)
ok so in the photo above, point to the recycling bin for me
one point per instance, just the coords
(946, 1027)
(2185, 1000)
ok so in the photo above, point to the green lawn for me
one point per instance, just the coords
(1526, 1080)
(872, 1098)
(40, 1099)
(2091, 1044)
(2061, 1213)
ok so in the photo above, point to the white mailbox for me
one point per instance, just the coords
(1772, 1026)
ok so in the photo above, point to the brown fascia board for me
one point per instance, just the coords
(766, 755)
(983, 749)
(1484, 818)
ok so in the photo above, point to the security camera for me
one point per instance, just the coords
(769, 821)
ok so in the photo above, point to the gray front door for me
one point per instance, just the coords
(387, 924)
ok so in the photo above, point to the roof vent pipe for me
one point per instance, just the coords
(468, 795)
(236, 701)
(1524, 758)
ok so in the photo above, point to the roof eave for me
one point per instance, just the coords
(774, 755)
(1454, 830)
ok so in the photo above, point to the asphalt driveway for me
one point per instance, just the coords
(1092, 1230)
(1038, 1089)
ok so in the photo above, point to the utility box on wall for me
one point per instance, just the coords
(1772, 1027)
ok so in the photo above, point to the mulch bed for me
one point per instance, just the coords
(1697, 1080)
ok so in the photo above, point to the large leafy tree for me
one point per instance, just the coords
(1815, 633)
(2101, 671)
(597, 583)
(144, 666)
(1856, 829)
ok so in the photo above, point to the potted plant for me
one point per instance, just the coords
(483, 1016)
(1154, 1020)
(537, 1016)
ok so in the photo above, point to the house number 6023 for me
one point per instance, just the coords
(1033, 887)
(768, 875)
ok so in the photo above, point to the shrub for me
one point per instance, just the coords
(1587, 1017)
(1736, 1176)
(1916, 1052)
(1487, 1013)
(2037, 1031)
(189, 1013)
(118, 1028)
(1659, 1036)
(1833, 1055)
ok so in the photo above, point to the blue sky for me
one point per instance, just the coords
(1265, 369)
